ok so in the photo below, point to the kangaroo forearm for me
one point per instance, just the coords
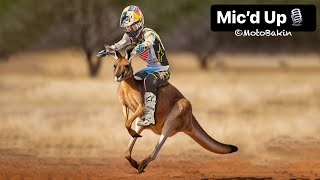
(136, 114)
(125, 112)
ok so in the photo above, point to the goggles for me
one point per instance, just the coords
(132, 28)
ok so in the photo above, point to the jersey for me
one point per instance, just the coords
(149, 48)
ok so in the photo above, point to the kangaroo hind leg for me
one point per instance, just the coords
(171, 126)
(128, 152)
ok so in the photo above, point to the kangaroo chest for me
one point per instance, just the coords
(130, 97)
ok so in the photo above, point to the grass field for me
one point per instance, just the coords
(54, 116)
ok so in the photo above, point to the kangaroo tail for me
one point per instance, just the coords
(202, 138)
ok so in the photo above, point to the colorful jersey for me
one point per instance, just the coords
(149, 48)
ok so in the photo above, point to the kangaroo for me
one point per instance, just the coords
(173, 114)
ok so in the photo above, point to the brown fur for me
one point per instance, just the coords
(173, 114)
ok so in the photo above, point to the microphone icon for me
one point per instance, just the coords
(296, 17)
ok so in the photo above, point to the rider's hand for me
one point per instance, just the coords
(106, 51)
(102, 53)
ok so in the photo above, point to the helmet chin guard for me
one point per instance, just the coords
(134, 33)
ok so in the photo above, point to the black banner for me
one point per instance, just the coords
(263, 17)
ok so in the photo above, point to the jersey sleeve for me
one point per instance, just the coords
(124, 42)
(149, 39)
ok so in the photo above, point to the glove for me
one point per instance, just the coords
(102, 53)
(108, 50)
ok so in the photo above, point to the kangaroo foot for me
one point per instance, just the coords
(134, 134)
(133, 163)
(142, 166)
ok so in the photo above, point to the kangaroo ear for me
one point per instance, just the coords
(128, 52)
(116, 54)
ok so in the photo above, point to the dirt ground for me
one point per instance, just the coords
(56, 123)
(193, 166)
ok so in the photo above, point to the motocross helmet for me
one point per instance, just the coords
(132, 20)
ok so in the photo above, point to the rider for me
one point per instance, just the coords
(149, 48)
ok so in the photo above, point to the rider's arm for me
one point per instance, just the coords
(149, 39)
(124, 42)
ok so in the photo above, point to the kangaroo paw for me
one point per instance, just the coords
(134, 164)
(136, 135)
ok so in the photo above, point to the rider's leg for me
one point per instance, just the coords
(141, 75)
(151, 83)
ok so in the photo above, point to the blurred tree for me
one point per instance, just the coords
(200, 40)
(21, 22)
(93, 19)
(183, 25)
(197, 38)
(87, 24)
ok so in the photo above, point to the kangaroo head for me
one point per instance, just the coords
(122, 68)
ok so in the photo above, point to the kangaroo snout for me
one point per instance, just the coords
(118, 77)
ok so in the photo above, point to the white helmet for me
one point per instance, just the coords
(131, 20)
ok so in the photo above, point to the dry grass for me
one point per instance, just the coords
(49, 107)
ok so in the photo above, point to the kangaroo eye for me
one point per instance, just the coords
(127, 66)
